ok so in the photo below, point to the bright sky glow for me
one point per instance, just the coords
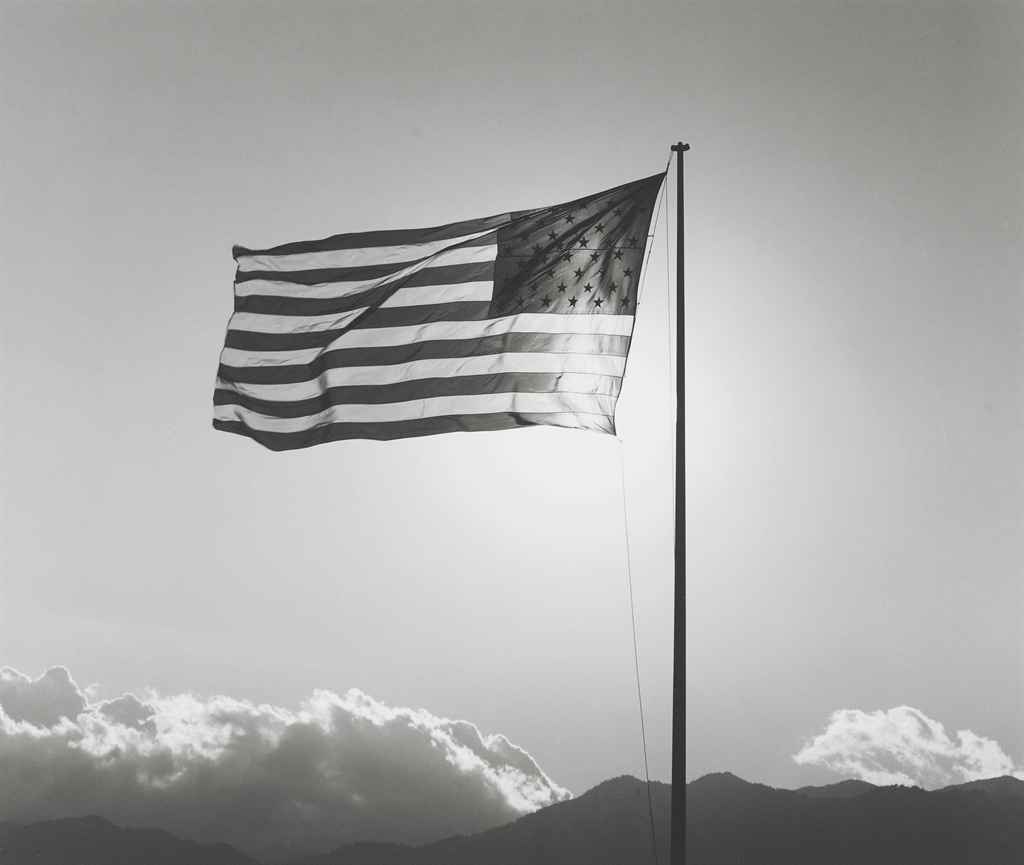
(855, 339)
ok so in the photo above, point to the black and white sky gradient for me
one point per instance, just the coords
(855, 406)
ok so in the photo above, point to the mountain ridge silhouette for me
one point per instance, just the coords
(732, 821)
(729, 821)
(93, 840)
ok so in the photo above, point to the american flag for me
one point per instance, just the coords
(513, 320)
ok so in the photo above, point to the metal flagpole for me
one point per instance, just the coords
(677, 851)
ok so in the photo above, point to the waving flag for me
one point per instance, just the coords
(513, 320)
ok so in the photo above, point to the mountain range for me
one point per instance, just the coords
(95, 841)
(729, 822)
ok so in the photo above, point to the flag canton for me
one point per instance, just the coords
(583, 257)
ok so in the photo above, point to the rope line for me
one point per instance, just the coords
(636, 652)
(668, 291)
(670, 331)
(662, 198)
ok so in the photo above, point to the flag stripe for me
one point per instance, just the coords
(292, 305)
(290, 367)
(317, 291)
(413, 428)
(360, 317)
(461, 290)
(422, 295)
(615, 325)
(342, 258)
(359, 335)
(471, 253)
(522, 382)
(278, 343)
(421, 408)
(381, 374)
(403, 316)
(390, 237)
(259, 323)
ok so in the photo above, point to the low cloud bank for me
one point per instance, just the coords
(266, 779)
(904, 746)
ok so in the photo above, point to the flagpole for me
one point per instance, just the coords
(677, 850)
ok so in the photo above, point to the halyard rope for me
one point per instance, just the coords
(625, 527)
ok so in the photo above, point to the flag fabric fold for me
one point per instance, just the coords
(519, 319)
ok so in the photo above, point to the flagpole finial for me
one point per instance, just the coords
(680, 147)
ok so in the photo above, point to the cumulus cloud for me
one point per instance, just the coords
(270, 780)
(43, 701)
(904, 746)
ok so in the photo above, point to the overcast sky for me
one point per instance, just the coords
(855, 347)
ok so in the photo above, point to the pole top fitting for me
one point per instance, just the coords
(680, 147)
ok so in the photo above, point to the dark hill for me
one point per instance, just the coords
(973, 824)
(733, 822)
(729, 822)
(95, 841)
(1003, 788)
(607, 825)
(842, 790)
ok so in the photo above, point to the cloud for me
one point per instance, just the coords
(43, 701)
(904, 746)
(270, 780)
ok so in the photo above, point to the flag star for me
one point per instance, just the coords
(628, 271)
(618, 253)
(570, 218)
(561, 286)
(583, 241)
(588, 287)
(601, 272)
(617, 211)
(599, 227)
(572, 300)
(578, 272)
(597, 301)
(546, 300)
(624, 302)
(567, 257)
(552, 235)
(611, 287)
(631, 240)
(536, 249)
(594, 256)
(551, 273)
